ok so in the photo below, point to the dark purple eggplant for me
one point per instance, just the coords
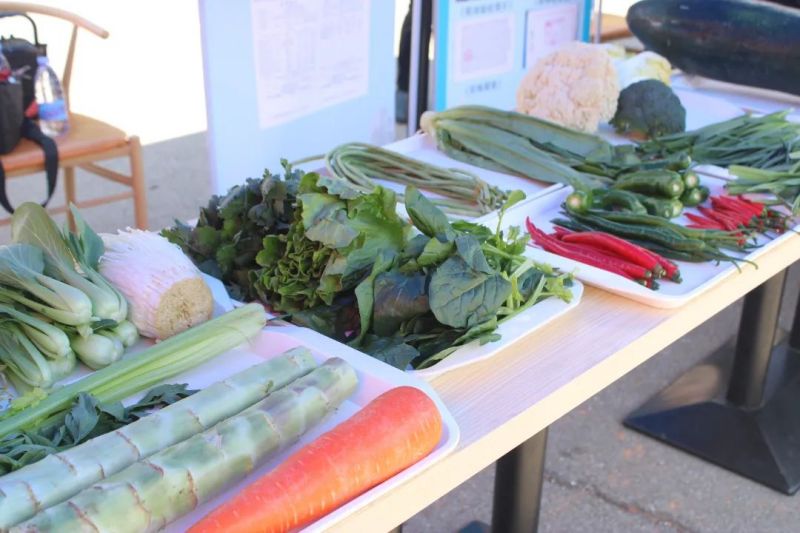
(748, 42)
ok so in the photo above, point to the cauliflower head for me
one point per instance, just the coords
(575, 86)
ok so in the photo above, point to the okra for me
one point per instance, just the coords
(664, 183)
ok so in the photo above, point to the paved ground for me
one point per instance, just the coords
(600, 477)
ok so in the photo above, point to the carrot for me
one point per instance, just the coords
(391, 433)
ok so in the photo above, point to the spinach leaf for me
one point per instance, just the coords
(461, 296)
(338, 321)
(428, 218)
(469, 249)
(390, 350)
(435, 252)
(398, 298)
(365, 292)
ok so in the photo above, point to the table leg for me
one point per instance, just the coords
(518, 480)
(739, 412)
(518, 487)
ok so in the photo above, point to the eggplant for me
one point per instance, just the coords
(748, 42)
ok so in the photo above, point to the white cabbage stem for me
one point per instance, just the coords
(166, 292)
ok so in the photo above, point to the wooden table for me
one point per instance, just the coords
(508, 399)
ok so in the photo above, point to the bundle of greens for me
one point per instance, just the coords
(783, 186)
(335, 234)
(754, 141)
(458, 191)
(515, 143)
(351, 269)
(229, 232)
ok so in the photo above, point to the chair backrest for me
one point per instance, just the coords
(76, 21)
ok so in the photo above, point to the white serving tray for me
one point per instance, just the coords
(511, 332)
(697, 277)
(375, 378)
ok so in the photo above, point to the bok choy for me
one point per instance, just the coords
(22, 268)
(72, 258)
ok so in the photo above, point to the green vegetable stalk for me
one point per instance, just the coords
(783, 186)
(150, 494)
(58, 477)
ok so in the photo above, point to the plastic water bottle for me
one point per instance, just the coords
(53, 118)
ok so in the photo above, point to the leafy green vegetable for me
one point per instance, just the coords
(32, 225)
(463, 297)
(231, 229)
(22, 267)
(342, 262)
(86, 419)
(330, 246)
(398, 298)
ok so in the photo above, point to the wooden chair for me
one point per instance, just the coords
(87, 141)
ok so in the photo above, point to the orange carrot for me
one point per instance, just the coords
(391, 433)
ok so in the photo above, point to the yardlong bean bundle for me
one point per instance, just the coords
(462, 192)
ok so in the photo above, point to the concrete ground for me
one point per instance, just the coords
(600, 477)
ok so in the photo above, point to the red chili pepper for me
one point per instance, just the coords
(558, 231)
(701, 222)
(580, 254)
(618, 247)
(727, 222)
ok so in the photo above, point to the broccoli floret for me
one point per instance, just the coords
(649, 108)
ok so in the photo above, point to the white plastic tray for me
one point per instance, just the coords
(511, 332)
(374, 379)
(697, 277)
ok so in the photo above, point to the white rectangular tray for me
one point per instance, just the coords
(512, 331)
(697, 277)
(374, 379)
(522, 325)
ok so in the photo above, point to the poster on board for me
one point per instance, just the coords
(484, 47)
(293, 78)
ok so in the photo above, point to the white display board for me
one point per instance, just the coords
(484, 47)
(293, 78)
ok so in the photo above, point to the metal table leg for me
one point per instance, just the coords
(517, 489)
(742, 412)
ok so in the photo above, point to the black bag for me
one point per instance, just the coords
(16, 116)
(22, 55)
(11, 116)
